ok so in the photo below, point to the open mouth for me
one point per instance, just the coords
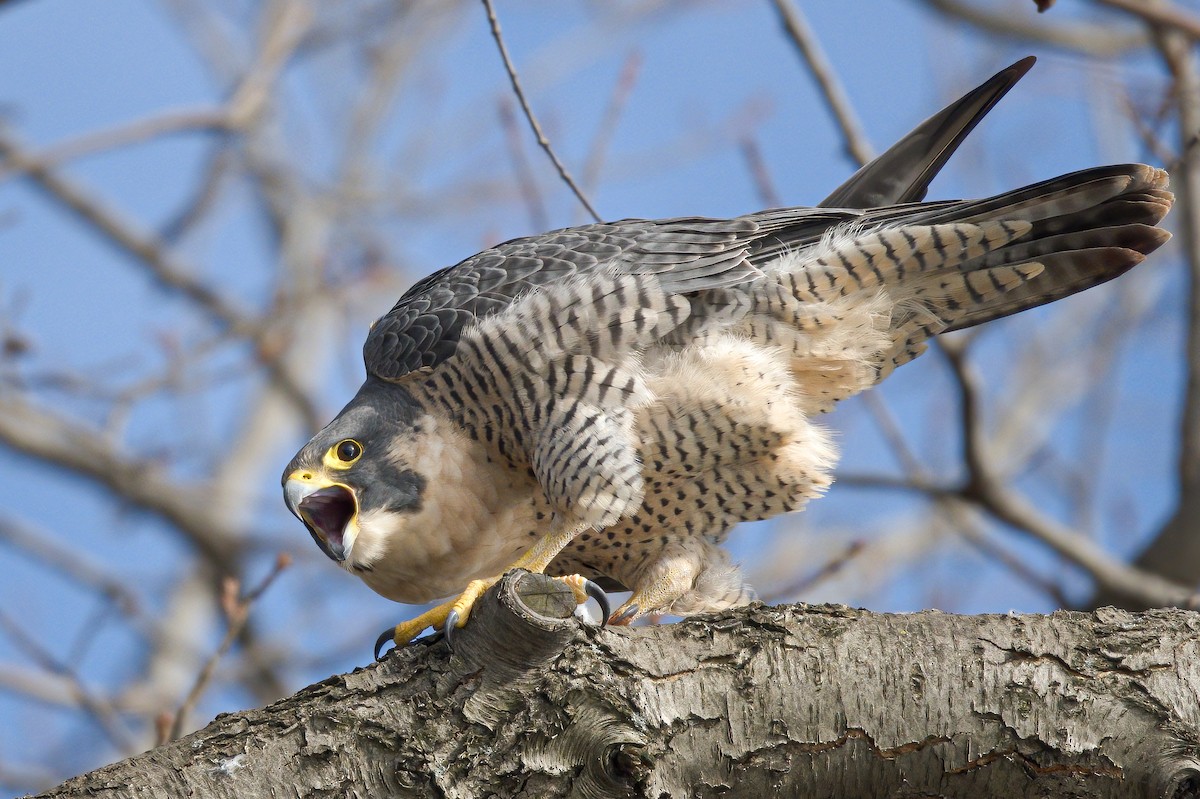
(327, 511)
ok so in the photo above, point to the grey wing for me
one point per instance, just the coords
(423, 329)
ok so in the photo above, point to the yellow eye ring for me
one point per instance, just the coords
(347, 451)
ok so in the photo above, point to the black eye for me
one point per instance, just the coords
(348, 450)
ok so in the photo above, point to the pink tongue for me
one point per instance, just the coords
(329, 509)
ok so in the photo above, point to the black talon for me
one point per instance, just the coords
(381, 642)
(597, 593)
(627, 614)
(449, 628)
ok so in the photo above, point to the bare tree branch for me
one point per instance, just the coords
(198, 120)
(163, 266)
(1182, 63)
(524, 175)
(1097, 40)
(40, 545)
(82, 450)
(752, 154)
(1158, 12)
(617, 101)
(993, 495)
(1174, 552)
(809, 581)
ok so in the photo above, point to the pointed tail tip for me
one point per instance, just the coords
(1025, 64)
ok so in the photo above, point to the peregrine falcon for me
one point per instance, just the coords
(605, 402)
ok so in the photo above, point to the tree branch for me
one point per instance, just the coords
(89, 454)
(164, 267)
(766, 699)
(1174, 551)
(1094, 39)
(1158, 12)
(197, 120)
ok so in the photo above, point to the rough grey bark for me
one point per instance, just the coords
(792, 701)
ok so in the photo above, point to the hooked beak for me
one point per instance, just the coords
(326, 511)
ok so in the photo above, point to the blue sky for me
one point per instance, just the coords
(709, 76)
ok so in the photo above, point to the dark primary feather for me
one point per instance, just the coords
(903, 173)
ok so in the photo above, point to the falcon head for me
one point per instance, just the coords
(352, 485)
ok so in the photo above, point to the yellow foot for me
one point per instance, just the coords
(583, 588)
(452, 615)
(447, 616)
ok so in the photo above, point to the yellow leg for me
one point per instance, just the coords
(435, 617)
(540, 555)
(536, 559)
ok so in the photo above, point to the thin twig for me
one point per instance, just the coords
(199, 120)
(203, 199)
(104, 714)
(30, 778)
(162, 265)
(886, 421)
(41, 546)
(56, 439)
(1181, 62)
(828, 569)
(533, 123)
(160, 262)
(238, 612)
(797, 27)
(285, 26)
(612, 115)
(1012, 509)
(1015, 564)
(525, 180)
(752, 155)
(1173, 552)
(974, 443)
(992, 495)
(1148, 127)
